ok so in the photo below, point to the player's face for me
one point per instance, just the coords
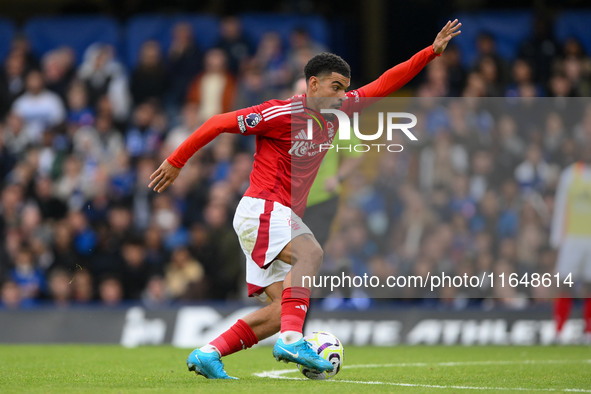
(327, 91)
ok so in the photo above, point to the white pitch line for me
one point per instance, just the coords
(467, 363)
(278, 374)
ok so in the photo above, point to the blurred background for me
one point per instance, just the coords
(94, 95)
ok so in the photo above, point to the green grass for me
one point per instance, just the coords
(79, 368)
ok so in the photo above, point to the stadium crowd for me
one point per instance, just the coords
(78, 224)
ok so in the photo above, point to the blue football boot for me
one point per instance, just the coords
(301, 352)
(207, 364)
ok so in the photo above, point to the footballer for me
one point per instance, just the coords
(279, 247)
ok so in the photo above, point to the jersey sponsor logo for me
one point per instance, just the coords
(253, 119)
(241, 123)
(331, 131)
(356, 94)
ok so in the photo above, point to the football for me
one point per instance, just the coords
(328, 346)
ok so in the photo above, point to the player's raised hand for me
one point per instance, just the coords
(449, 31)
(164, 176)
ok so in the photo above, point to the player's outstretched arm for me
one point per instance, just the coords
(169, 170)
(399, 75)
(449, 31)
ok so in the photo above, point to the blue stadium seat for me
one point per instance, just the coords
(78, 32)
(159, 27)
(574, 24)
(256, 25)
(509, 28)
(7, 34)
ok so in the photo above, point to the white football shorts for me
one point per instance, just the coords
(264, 228)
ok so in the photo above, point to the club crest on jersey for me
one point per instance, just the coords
(253, 119)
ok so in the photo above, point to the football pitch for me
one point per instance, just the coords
(81, 368)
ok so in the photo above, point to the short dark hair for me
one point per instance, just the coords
(326, 63)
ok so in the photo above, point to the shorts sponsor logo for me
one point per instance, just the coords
(241, 123)
(253, 119)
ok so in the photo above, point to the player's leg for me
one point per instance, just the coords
(267, 321)
(305, 256)
(245, 333)
(569, 257)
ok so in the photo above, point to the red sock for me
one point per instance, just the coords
(294, 306)
(562, 307)
(239, 336)
(587, 315)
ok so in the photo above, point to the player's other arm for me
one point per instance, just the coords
(169, 170)
(399, 75)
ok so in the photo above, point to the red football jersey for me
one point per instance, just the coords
(285, 161)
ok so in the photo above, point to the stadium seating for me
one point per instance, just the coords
(159, 27)
(256, 25)
(574, 24)
(78, 32)
(509, 29)
(7, 33)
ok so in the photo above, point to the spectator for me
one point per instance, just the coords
(79, 111)
(12, 80)
(111, 291)
(150, 78)
(100, 141)
(59, 70)
(64, 254)
(39, 108)
(576, 66)
(486, 47)
(184, 60)
(72, 187)
(215, 83)
(143, 137)
(441, 161)
(21, 45)
(185, 276)
(235, 45)
(135, 270)
(27, 276)
(82, 288)
(532, 174)
(540, 49)
(252, 88)
(156, 294)
(59, 287)
(105, 77)
(522, 77)
(10, 296)
(15, 138)
(271, 59)
(455, 72)
(489, 70)
(301, 49)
